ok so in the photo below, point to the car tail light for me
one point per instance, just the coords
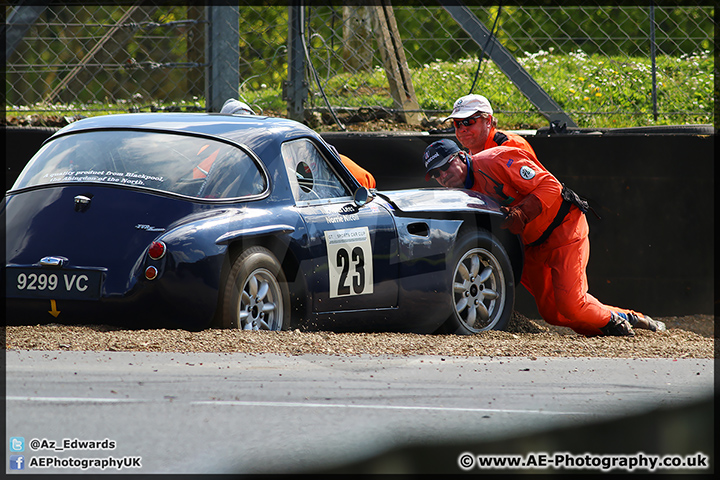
(151, 273)
(157, 250)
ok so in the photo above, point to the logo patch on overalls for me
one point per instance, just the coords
(527, 173)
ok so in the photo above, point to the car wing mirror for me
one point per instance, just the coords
(362, 196)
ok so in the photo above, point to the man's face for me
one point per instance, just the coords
(473, 137)
(454, 175)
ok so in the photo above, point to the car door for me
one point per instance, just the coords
(353, 251)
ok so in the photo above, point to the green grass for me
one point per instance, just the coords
(596, 91)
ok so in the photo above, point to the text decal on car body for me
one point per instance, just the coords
(349, 261)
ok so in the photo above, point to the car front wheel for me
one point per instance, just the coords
(256, 295)
(482, 285)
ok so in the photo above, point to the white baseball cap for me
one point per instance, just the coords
(469, 105)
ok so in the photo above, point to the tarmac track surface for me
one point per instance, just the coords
(240, 413)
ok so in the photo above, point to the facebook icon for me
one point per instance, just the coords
(17, 462)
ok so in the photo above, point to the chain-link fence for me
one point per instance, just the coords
(605, 66)
(100, 58)
(601, 66)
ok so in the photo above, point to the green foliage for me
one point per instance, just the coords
(596, 91)
(594, 61)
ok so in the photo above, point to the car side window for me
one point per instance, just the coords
(311, 177)
(230, 173)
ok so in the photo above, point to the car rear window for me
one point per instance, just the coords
(180, 164)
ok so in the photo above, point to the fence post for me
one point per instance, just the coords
(223, 54)
(652, 54)
(19, 21)
(295, 90)
(396, 67)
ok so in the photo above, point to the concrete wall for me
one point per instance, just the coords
(652, 251)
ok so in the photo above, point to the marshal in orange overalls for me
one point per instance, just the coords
(554, 271)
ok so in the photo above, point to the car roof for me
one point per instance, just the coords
(246, 129)
(263, 135)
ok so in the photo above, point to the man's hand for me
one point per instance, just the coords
(515, 220)
(521, 214)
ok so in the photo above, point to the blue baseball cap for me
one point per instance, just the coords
(236, 107)
(438, 154)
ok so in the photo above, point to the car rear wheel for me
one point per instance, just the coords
(482, 285)
(256, 294)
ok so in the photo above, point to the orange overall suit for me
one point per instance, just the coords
(364, 177)
(497, 138)
(555, 268)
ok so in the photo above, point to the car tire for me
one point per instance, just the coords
(482, 285)
(256, 295)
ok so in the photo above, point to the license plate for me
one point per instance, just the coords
(69, 284)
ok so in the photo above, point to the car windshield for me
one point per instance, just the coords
(181, 164)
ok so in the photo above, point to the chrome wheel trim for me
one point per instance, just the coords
(260, 302)
(478, 290)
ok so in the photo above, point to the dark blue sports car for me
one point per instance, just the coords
(251, 222)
